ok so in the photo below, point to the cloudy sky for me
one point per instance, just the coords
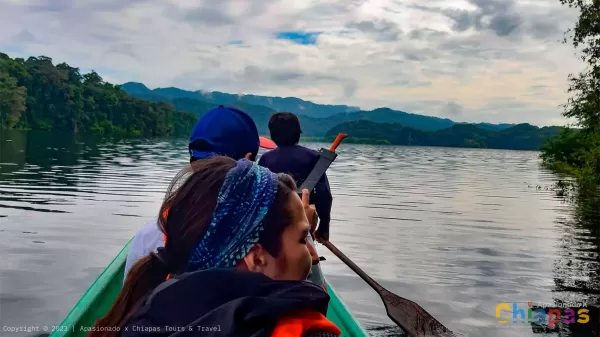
(468, 60)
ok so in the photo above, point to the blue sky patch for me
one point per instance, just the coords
(298, 37)
(235, 42)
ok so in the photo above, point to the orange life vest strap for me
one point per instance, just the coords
(299, 324)
(165, 214)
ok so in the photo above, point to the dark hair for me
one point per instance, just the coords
(285, 128)
(189, 203)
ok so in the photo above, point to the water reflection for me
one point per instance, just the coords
(67, 206)
(456, 230)
(577, 270)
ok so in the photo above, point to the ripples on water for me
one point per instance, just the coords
(456, 230)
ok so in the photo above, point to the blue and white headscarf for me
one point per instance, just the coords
(245, 198)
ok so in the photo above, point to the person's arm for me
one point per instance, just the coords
(134, 254)
(147, 239)
(323, 201)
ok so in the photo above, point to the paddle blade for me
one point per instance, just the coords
(411, 317)
(408, 315)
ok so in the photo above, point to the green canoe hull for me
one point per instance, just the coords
(99, 297)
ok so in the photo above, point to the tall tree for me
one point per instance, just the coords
(12, 101)
(578, 152)
(36, 94)
(584, 105)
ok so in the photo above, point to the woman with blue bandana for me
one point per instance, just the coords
(234, 264)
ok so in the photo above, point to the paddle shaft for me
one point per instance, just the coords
(326, 157)
(408, 315)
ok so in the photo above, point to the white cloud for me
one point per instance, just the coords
(469, 60)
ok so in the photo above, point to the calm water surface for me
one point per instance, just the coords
(456, 230)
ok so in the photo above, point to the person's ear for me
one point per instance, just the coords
(256, 259)
(249, 156)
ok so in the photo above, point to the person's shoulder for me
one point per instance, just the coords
(146, 240)
(268, 154)
(148, 237)
(307, 150)
(150, 228)
(312, 154)
(266, 157)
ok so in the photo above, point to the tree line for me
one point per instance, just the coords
(518, 137)
(36, 94)
(576, 151)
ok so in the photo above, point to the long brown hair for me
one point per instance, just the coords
(188, 205)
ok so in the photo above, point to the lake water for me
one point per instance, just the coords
(456, 230)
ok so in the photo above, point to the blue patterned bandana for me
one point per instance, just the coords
(243, 202)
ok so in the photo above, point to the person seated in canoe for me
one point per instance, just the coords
(235, 256)
(298, 161)
(223, 130)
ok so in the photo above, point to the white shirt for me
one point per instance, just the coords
(147, 239)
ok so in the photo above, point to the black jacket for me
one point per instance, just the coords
(223, 303)
(298, 161)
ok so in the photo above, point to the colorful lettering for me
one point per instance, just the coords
(583, 317)
(499, 308)
(569, 313)
(540, 316)
(553, 317)
(517, 311)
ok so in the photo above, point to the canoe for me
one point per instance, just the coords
(98, 299)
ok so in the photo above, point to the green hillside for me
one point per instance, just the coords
(518, 137)
(313, 124)
(291, 104)
(36, 94)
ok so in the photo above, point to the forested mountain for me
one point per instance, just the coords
(311, 127)
(490, 126)
(518, 137)
(291, 104)
(386, 115)
(316, 119)
(259, 114)
(36, 94)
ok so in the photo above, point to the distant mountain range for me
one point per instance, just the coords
(518, 137)
(316, 119)
(291, 104)
(35, 94)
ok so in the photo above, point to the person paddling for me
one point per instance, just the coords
(237, 254)
(298, 161)
(223, 130)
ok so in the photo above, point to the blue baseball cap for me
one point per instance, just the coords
(226, 131)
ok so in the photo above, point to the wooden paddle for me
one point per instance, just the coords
(408, 315)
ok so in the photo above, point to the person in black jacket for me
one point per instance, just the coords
(234, 263)
(298, 161)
